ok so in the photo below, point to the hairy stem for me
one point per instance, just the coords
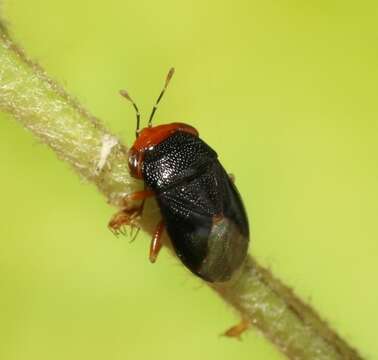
(78, 138)
(45, 109)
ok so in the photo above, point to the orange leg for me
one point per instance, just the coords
(125, 217)
(137, 195)
(130, 214)
(156, 242)
(237, 330)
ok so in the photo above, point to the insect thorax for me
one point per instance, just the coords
(176, 159)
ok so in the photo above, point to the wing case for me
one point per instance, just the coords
(202, 209)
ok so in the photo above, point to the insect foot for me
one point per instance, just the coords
(125, 217)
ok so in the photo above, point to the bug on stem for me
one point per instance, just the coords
(200, 207)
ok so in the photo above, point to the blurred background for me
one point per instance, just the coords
(286, 92)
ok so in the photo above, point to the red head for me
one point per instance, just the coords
(150, 136)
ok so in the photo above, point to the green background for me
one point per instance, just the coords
(285, 91)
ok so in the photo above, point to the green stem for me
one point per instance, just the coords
(45, 109)
(293, 326)
(78, 138)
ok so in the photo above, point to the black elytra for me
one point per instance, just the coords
(200, 205)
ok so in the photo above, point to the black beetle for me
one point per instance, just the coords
(200, 206)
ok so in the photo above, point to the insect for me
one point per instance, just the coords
(201, 209)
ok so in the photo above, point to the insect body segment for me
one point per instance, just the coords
(200, 206)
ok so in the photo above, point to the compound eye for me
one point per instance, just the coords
(134, 163)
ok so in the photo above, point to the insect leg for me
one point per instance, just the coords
(156, 242)
(237, 330)
(130, 213)
(123, 218)
(137, 195)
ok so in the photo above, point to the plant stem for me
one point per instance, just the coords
(293, 326)
(59, 121)
(78, 138)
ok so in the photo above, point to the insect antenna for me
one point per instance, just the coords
(126, 95)
(167, 80)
